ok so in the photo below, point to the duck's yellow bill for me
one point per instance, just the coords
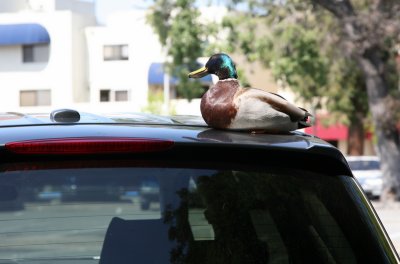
(203, 71)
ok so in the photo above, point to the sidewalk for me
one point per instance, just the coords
(389, 213)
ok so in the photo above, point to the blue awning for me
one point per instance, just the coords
(23, 34)
(156, 76)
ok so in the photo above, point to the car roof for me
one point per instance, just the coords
(196, 124)
(186, 131)
(25, 119)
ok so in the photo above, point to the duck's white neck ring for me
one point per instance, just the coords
(229, 80)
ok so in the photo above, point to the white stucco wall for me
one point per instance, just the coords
(12, 6)
(65, 74)
(76, 6)
(80, 58)
(11, 59)
(123, 28)
(56, 75)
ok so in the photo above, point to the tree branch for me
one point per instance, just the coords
(339, 8)
(385, 5)
(378, 4)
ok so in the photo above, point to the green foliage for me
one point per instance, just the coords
(187, 88)
(291, 49)
(176, 23)
(299, 43)
(243, 80)
(160, 17)
(295, 57)
(347, 96)
(297, 40)
(155, 103)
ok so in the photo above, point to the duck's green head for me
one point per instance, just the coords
(219, 64)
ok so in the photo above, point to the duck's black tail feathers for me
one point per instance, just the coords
(306, 121)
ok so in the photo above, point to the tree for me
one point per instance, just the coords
(291, 41)
(176, 24)
(369, 35)
(308, 48)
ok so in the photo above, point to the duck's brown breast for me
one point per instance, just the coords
(217, 107)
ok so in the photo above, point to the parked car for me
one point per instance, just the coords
(224, 196)
(149, 193)
(366, 170)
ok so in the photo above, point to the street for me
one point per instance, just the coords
(389, 214)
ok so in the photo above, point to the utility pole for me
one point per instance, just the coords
(166, 92)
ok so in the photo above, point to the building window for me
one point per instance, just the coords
(121, 96)
(115, 52)
(104, 95)
(113, 96)
(27, 53)
(35, 53)
(35, 98)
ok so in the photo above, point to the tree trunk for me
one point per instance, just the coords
(373, 67)
(389, 153)
(355, 138)
(387, 133)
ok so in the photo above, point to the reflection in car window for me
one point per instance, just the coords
(192, 216)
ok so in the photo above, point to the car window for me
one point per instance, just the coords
(364, 164)
(145, 214)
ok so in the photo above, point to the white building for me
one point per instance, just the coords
(54, 55)
(120, 56)
(43, 53)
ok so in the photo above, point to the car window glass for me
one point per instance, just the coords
(181, 215)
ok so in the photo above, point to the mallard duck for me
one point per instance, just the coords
(227, 105)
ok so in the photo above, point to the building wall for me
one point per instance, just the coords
(65, 73)
(12, 6)
(54, 75)
(80, 58)
(75, 6)
(12, 61)
(123, 28)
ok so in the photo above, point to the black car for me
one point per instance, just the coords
(222, 196)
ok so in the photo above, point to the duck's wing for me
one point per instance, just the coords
(277, 102)
(304, 122)
(278, 95)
